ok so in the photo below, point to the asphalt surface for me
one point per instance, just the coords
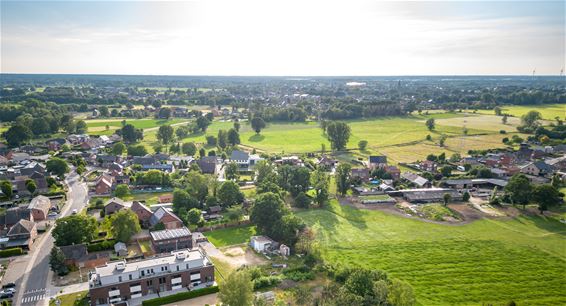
(32, 287)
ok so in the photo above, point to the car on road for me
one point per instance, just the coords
(75, 211)
(52, 215)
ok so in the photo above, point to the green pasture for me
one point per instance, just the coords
(98, 126)
(484, 262)
(548, 111)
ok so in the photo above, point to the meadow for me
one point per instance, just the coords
(230, 236)
(98, 126)
(487, 261)
(548, 111)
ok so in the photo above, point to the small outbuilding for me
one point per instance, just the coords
(121, 249)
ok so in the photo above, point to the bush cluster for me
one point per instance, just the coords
(180, 296)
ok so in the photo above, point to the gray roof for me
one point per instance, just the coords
(170, 234)
(76, 251)
(381, 159)
(414, 178)
(239, 155)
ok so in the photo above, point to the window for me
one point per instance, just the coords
(142, 273)
(177, 267)
(162, 280)
(119, 279)
(187, 266)
(130, 276)
(150, 282)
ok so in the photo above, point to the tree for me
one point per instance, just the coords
(530, 120)
(118, 148)
(446, 198)
(519, 189)
(121, 191)
(211, 140)
(194, 216)
(233, 137)
(137, 150)
(446, 171)
(343, 178)
(442, 140)
(189, 148)
(430, 124)
(222, 139)
(302, 295)
(182, 199)
(165, 134)
(466, 196)
(165, 113)
(31, 186)
(237, 289)
(400, 294)
(203, 123)
(319, 182)
(362, 145)
(229, 194)
(17, 135)
(504, 119)
(104, 111)
(237, 126)
(258, 124)
(556, 181)
(197, 185)
(57, 166)
(286, 229)
(6, 188)
(338, 134)
(57, 261)
(265, 171)
(202, 152)
(81, 127)
(302, 200)
(40, 126)
(232, 171)
(182, 132)
(497, 110)
(125, 224)
(130, 134)
(74, 229)
(546, 196)
(267, 210)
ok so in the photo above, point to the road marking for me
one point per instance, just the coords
(34, 298)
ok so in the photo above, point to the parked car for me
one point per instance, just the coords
(74, 211)
(9, 290)
(6, 295)
(9, 285)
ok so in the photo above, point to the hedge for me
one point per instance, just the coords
(180, 296)
(11, 252)
(101, 246)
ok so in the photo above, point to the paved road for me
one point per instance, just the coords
(34, 284)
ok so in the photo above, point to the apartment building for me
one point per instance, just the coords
(123, 281)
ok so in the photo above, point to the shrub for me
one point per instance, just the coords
(502, 132)
(101, 246)
(266, 281)
(299, 274)
(11, 252)
(180, 296)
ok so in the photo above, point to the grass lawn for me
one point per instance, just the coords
(487, 261)
(230, 236)
(98, 126)
(72, 299)
(145, 246)
(548, 111)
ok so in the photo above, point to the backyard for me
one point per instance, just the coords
(230, 236)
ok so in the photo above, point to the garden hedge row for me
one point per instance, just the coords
(11, 252)
(101, 246)
(180, 296)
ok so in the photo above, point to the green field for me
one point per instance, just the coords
(548, 111)
(98, 126)
(487, 261)
(230, 236)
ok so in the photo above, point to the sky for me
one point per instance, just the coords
(287, 37)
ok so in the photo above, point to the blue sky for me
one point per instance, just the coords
(252, 37)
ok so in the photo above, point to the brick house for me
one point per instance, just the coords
(22, 234)
(169, 219)
(115, 204)
(39, 207)
(143, 212)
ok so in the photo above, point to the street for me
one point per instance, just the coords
(34, 283)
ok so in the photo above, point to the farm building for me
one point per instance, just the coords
(427, 195)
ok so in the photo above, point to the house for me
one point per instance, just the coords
(377, 161)
(106, 161)
(39, 207)
(171, 239)
(284, 250)
(326, 162)
(394, 171)
(428, 166)
(207, 164)
(22, 234)
(13, 215)
(198, 237)
(120, 281)
(115, 204)
(361, 173)
(415, 179)
(104, 184)
(77, 255)
(116, 168)
(262, 243)
(163, 167)
(143, 212)
(169, 219)
(538, 168)
(558, 163)
(289, 160)
(145, 160)
(166, 198)
(121, 249)
(244, 159)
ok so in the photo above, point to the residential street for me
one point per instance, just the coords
(34, 283)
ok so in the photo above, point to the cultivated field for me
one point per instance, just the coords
(487, 261)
